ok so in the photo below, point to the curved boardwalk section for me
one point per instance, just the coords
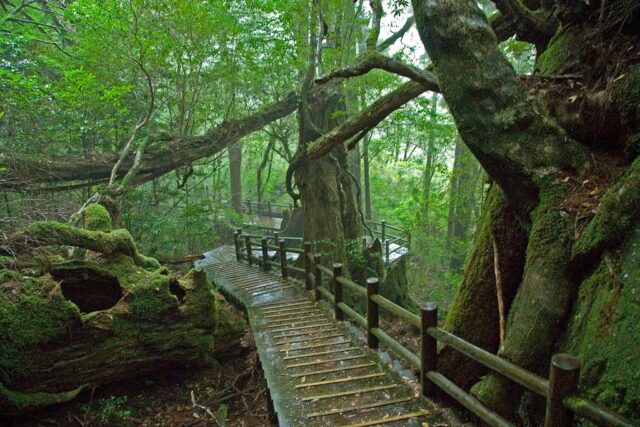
(318, 373)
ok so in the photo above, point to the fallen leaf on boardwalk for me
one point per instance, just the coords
(425, 424)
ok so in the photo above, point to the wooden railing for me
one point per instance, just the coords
(267, 209)
(388, 235)
(559, 389)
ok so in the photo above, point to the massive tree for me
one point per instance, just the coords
(562, 147)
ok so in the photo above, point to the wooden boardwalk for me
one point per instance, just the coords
(318, 370)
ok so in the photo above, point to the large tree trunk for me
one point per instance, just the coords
(326, 186)
(474, 312)
(553, 182)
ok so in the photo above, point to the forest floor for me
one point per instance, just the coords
(234, 391)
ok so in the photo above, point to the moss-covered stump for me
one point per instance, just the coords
(86, 323)
(97, 236)
(69, 325)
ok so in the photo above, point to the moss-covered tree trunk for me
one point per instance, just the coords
(556, 146)
(326, 187)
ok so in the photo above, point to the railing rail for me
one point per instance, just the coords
(380, 230)
(559, 390)
(402, 239)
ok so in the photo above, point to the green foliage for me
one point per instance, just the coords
(111, 410)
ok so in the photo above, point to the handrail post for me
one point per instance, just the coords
(429, 347)
(247, 240)
(307, 266)
(337, 290)
(248, 202)
(283, 258)
(372, 312)
(236, 243)
(265, 254)
(317, 259)
(387, 256)
(564, 375)
(269, 209)
(383, 229)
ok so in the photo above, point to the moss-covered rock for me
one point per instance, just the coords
(96, 218)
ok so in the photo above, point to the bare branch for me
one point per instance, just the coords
(386, 44)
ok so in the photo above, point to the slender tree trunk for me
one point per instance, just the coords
(263, 164)
(235, 172)
(367, 181)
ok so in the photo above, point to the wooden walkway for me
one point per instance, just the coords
(318, 370)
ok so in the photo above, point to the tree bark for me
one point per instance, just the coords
(527, 154)
(235, 176)
(367, 181)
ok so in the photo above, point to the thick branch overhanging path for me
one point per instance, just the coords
(165, 153)
(317, 372)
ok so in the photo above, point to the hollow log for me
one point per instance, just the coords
(71, 325)
(86, 323)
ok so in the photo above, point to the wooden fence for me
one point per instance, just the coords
(559, 389)
(388, 235)
(267, 209)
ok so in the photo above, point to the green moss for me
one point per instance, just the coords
(7, 274)
(38, 315)
(604, 332)
(557, 54)
(22, 401)
(151, 298)
(617, 213)
(148, 262)
(97, 218)
(626, 95)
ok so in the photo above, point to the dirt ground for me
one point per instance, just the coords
(232, 394)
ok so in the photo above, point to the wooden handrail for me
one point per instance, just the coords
(431, 334)
(559, 390)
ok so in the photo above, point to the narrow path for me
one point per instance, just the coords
(319, 373)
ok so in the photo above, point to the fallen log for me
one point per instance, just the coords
(71, 325)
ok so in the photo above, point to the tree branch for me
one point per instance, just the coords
(356, 126)
(530, 26)
(386, 44)
(377, 60)
(34, 173)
